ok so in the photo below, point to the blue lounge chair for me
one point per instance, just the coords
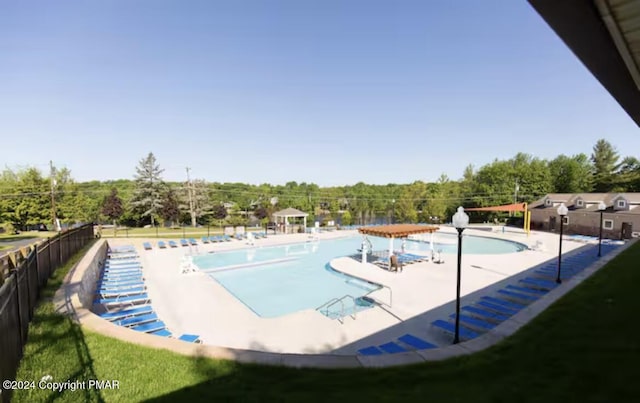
(137, 320)
(129, 300)
(205, 239)
(150, 327)
(484, 314)
(147, 245)
(184, 242)
(123, 262)
(121, 277)
(173, 244)
(392, 348)
(476, 323)
(450, 328)
(497, 308)
(517, 296)
(122, 266)
(119, 272)
(190, 338)
(193, 242)
(113, 292)
(508, 304)
(525, 289)
(162, 245)
(416, 342)
(373, 350)
(162, 333)
(107, 287)
(126, 313)
(536, 282)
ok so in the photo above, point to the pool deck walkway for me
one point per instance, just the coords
(195, 303)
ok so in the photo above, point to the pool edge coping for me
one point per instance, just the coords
(67, 300)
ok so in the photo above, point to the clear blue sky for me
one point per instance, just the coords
(326, 91)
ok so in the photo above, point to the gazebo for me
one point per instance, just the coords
(396, 231)
(283, 217)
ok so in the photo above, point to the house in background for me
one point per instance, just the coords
(621, 218)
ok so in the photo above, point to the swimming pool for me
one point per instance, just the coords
(278, 280)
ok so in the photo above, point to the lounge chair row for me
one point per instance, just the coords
(489, 311)
(121, 291)
(204, 240)
(407, 342)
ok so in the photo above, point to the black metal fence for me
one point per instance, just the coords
(23, 274)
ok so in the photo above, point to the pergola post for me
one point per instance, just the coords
(364, 249)
(304, 219)
(390, 246)
(431, 244)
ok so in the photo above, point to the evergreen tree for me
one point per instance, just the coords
(149, 186)
(605, 163)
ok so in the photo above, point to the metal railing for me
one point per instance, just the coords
(382, 287)
(340, 300)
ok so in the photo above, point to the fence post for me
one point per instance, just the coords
(13, 263)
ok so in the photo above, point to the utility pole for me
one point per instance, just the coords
(52, 172)
(515, 195)
(189, 190)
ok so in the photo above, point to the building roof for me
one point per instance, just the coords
(569, 199)
(506, 207)
(397, 230)
(290, 212)
(604, 35)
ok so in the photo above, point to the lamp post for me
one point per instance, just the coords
(393, 211)
(460, 221)
(562, 212)
(601, 207)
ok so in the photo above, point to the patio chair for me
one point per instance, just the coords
(162, 245)
(173, 244)
(147, 246)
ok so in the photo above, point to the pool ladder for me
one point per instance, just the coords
(340, 300)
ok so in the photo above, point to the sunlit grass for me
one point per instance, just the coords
(584, 348)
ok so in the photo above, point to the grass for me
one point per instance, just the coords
(26, 235)
(584, 348)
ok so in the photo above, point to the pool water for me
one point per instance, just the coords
(279, 280)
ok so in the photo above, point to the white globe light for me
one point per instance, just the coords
(460, 218)
(563, 210)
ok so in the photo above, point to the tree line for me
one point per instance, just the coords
(27, 197)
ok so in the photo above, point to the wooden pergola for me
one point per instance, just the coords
(396, 231)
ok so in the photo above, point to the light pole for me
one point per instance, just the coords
(460, 221)
(393, 211)
(601, 207)
(562, 212)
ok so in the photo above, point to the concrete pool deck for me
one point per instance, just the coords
(423, 292)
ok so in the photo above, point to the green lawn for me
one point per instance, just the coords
(585, 348)
(26, 235)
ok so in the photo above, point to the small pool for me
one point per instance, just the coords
(279, 280)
